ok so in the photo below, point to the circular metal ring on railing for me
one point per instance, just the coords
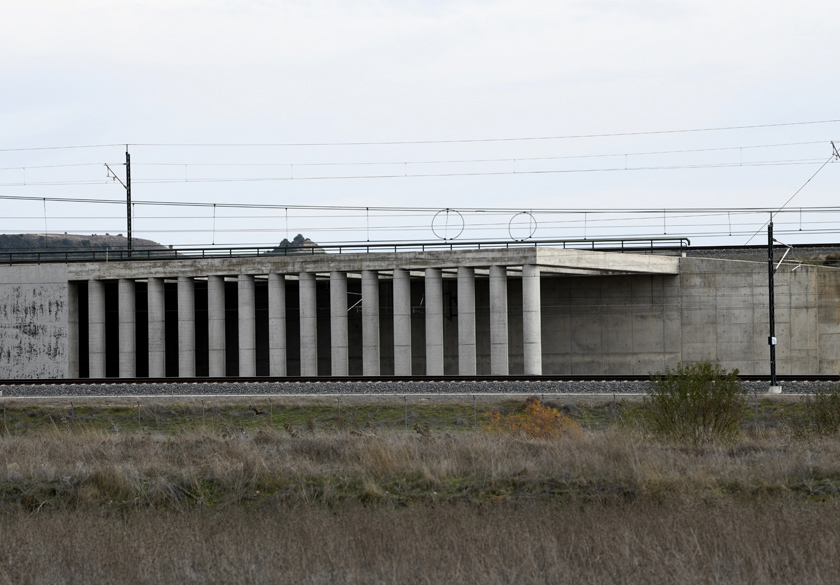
(532, 225)
(446, 227)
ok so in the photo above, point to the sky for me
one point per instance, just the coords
(206, 73)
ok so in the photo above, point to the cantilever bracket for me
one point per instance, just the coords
(113, 175)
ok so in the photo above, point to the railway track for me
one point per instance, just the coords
(380, 379)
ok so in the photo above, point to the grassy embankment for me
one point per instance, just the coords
(92, 499)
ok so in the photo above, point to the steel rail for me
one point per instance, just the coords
(383, 379)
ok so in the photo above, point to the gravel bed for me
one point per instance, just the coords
(315, 388)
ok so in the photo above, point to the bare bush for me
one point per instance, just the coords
(820, 413)
(695, 404)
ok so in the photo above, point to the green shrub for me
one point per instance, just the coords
(695, 404)
(820, 413)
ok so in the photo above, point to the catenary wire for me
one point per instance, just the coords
(506, 139)
(424, 175)
(445, 141)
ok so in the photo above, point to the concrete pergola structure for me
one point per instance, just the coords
(432, 266)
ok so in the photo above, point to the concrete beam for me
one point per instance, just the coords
(606, 262)
(572, 260)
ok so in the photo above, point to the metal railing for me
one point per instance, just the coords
(75, 255)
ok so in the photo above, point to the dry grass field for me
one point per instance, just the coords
(524, 542)
(373, 504)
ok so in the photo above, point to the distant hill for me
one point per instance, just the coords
(32, 242)
(57, 242)
(299, 245)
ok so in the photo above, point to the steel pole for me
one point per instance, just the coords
(772, 339)
(128, 196)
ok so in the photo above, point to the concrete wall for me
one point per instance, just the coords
(610, 325)
(34, 322)
(725, 316)
(714, 310)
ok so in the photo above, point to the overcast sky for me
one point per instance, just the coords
(96, 72)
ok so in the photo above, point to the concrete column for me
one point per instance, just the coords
(96, 328)
(157, 331)
(466, 321)
(498, 321)
(247, 331)
(338, 324)
(276, 324)
(186, 327)
(531, 326)
(402, 322)
(308, 326)
(72, 330)
(434, 322)
(216, 326)
(128, 328)
(370, 323)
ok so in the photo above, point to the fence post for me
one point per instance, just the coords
(203, 417)
(405, 398)
(340, 426)
(5, 426)
(72, 417)
(475, 414)
(270, 412)
(138, 416)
